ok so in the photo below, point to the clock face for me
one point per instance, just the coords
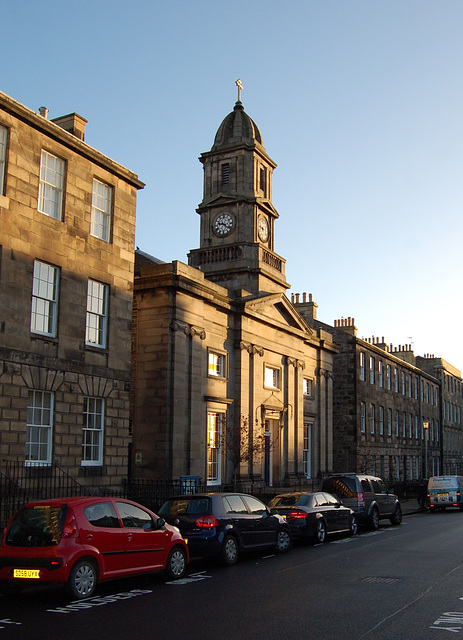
(262, 228)
(223, 224)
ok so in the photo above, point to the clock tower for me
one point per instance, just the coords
(237, 214)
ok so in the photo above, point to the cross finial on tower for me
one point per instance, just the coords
(239, 84)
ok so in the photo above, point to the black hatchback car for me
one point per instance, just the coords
(311, 516)
(225, 524)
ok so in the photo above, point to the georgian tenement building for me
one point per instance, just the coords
(230, 381)
(451, 402)
(386, 409)
(67, 227)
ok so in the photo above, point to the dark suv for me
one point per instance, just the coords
(367, 496)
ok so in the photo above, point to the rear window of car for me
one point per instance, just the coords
(290, 500)
(185, 506)
(39, 526)
(344, 487)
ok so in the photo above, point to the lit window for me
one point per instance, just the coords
(272, 378)
(39, 427)
(97, 314)
(214, 434)
(92, 446)
(44, 309)
(216, 366)
(101, 210)
(51, 185)
(307, 387)
(3, 138)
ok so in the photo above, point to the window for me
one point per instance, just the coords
(381, 421)
(388, 377)
(362, 366)
(389, 422)
(44, 310)
(397, 423)
(396, 378)
(271, 378)
(97, 314)
(51, 185)
(133, 517)
(306, 450)
(102, 514)
(372, 370)
(402, 377)
(381, 373)
(92, 446)
(363, 417)
(101, 210)
(372, 418)
(410, 426)
(3, 139)
(214, 434)
(263, 180)
(307, 387)
(39, 427)
(410, 385)
(216, 365)
(404, 424)
(225, 173)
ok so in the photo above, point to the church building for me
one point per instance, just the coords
(230, 384)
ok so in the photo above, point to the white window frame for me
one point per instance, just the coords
(307, 387)
(96, 326)
(93, 432)
(3, 146)
(51, 185)
(271, 377)
(307, 449)
(44, 304)
(39, 427)
(215, 425)
(102, 203)
(216, 364)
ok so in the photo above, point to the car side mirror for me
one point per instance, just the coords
(160, 522)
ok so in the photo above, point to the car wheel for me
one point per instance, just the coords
(10, 588)
(396, 518)
(374, 519)
(176, 563)
(229, 551)
(320, 534)
(354, 527)
(82, 579)
(284, 541)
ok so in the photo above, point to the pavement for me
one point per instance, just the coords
(410, 506)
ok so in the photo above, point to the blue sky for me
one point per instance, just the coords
(359, 102)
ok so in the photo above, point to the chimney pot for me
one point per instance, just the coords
(43, 112)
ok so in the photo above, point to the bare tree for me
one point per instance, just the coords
(244, 442)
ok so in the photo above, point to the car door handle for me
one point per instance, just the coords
(89, 536)
(129, 537)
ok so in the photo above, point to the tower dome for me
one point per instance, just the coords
(237, 128)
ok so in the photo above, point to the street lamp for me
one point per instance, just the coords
(426, 427)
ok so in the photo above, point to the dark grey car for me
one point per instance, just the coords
(367, 496)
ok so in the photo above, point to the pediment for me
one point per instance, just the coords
(218, 200)
(277, 308)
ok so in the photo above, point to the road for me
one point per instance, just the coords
(399, 582)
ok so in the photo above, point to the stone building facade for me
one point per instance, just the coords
(451, 403)
(386, 410)
(230, 381)
(67, 227)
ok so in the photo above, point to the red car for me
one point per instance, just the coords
(81, 541)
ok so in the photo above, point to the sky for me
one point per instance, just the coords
(359, 102)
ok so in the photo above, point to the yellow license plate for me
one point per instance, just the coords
(442, 495)
(28, 574)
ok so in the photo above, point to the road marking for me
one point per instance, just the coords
(193, 577)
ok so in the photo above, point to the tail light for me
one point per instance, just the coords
(207, 522)
(296, 515)
(361, 499)
(70, 525)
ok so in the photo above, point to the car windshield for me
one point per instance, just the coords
(38, 526)
(185, 506)
(290, 500)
